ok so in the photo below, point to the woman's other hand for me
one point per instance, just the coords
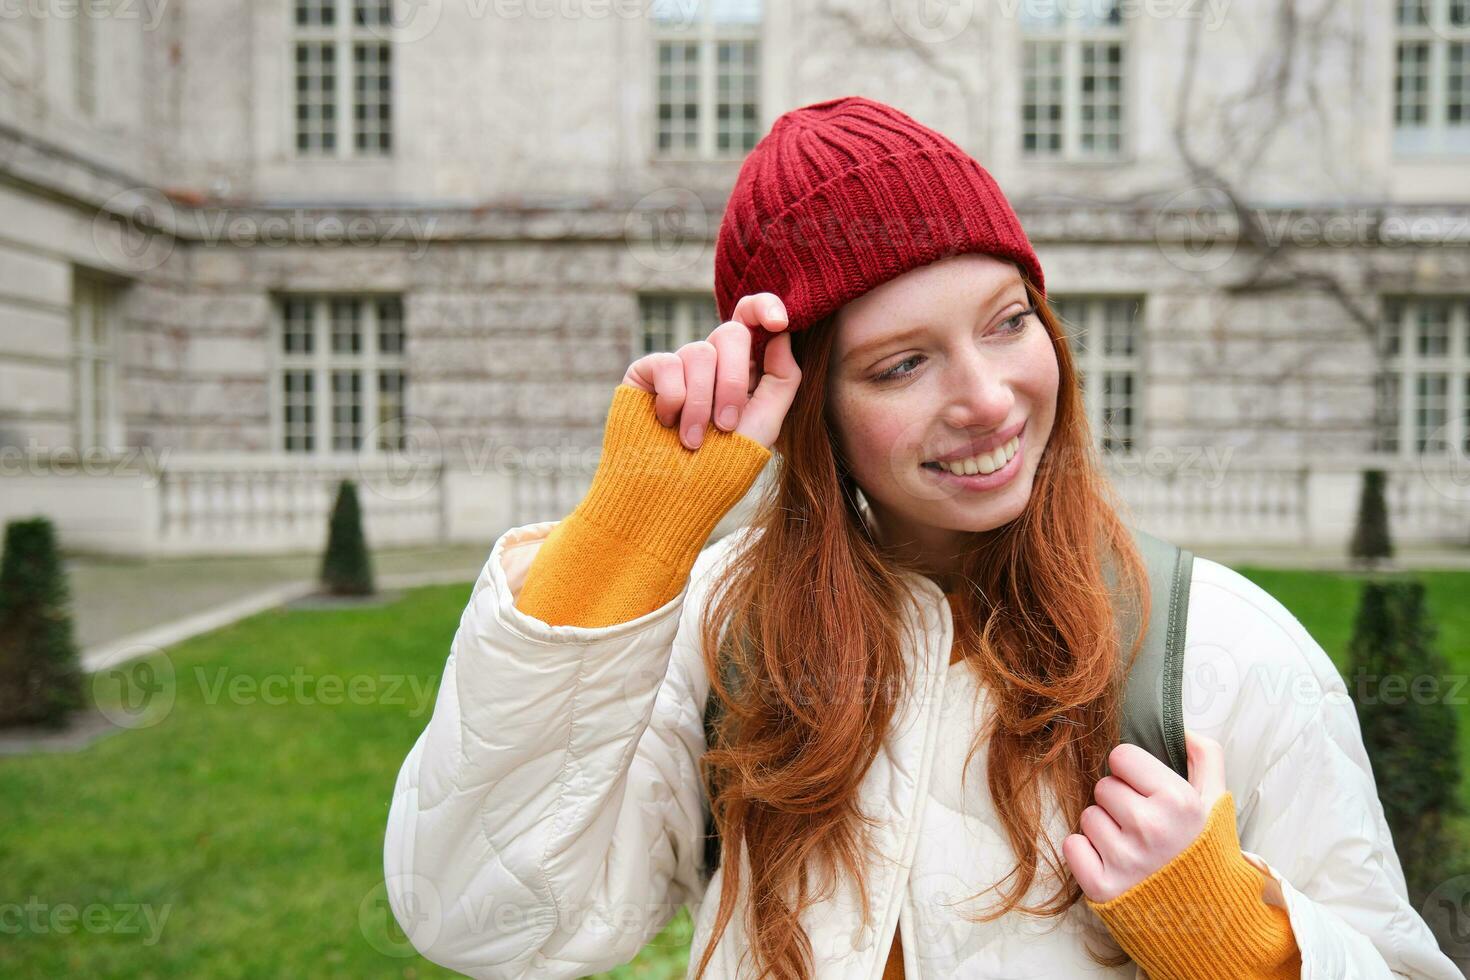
(1144, 817)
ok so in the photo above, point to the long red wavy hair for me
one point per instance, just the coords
(809, 615)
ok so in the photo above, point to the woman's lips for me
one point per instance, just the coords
(983, 481)
(1001, 439)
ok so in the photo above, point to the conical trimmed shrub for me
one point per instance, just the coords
(1402, 689)
(347, 566)
(1371, 541)
(40, 671)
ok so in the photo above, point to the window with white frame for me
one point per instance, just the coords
(84, 60)
(1431, 105)
(1424, 389)
(1073, 81)
(1104, 332)
(94, 371)
(343, 77)
(670, 322)
(342, 374)
(707, 77)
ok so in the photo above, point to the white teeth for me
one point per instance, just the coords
(984, 462)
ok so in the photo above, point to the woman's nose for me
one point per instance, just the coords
(979, 398)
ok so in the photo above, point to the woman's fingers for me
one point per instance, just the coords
(662, 374)
(1206, 765)
(669, 391)
(762, 314)
(700, 358)
(741, 403)
(774, 393)
(732, 373)
(1086, 864)
(716, 381)
(761, 310)
(1100, 827)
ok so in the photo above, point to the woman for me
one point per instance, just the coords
(917, 760)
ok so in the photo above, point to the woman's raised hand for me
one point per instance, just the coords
(717, 379)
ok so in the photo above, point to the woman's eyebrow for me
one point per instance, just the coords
(920, 329)
(884, 340)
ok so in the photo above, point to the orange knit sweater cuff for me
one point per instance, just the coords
(629, 545)
(1203, 915)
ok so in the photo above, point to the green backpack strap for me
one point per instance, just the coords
(1153, 706)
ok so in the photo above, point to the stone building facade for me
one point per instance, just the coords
(247, 250)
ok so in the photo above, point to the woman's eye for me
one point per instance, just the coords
(894, 372)
(1010, 325)
(1018, 322)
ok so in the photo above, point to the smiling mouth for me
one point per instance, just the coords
(980, 464)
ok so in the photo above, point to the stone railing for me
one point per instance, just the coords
(239, 504)
(1240, 502)
(1311, 504)
(1265, 502)
(235, 504)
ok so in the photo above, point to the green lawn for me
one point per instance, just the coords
(240, 833)
(1326, 604)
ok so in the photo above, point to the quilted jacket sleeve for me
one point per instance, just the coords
(1309, 813)
(549, 820)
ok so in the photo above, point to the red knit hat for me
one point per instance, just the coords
(843, 195)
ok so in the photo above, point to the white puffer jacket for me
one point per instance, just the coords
(549, 821)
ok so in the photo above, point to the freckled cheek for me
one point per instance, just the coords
(1040, 379)
(876, 443)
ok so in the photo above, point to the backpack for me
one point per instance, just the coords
(1153, 712)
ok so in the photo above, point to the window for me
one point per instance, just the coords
(670, 322)
(342, 374)
(341, 59)
(84, 60)
(1105, 343)
(1431, 80)
(1424, 390)
(94, 375)
(707, 77)
(1073, 80)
